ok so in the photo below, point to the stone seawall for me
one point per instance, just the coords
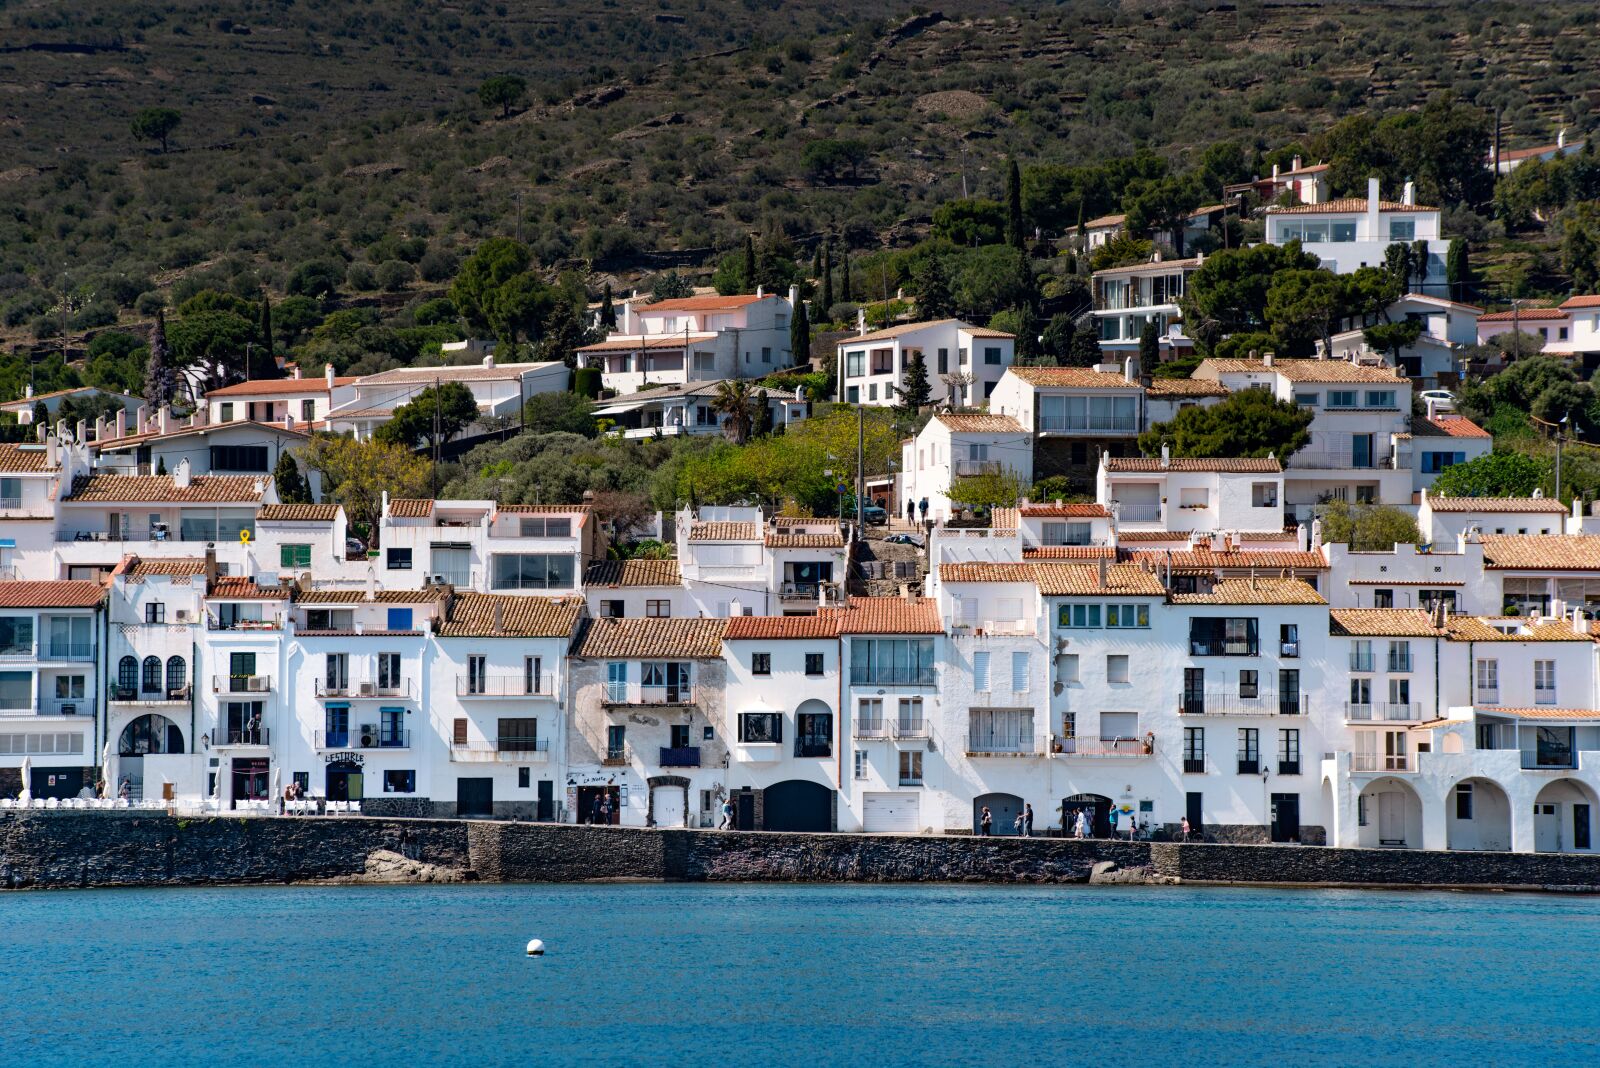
(108, 849)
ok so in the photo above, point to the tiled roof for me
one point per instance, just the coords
(890, 615)
(745, 628)
(710, 302)
(1045, 510)
(1254, 591)
(410, 507)
(1070, 552)
(981, 424)
(1591, 300)
(724, 531)
(465, 373)
(298, 513)
(1002, 519)
(821, 540)
(637, 572)
(1542, 552)
(1152, 265)
(274, 386)
(1537, 150)
(1347, 206)
(472, 615)
(1184, 387)
(176, 567)
(542, 509)
(1071, 377)
(1381, 623)
(1204, 558)
(986, 332)
(73, 593)
(242, 588)
(1497, 504)
(892, 332)
(21, 459)
(1448, 426)
(1217, 464)
(1105, 220)
(1066, 580)
(1540, 713)
(1130, 536)
(1525, 313)
(642, 638)
(1481, 629)
(641, 343)
(421, 596)
(157, 489)
(1300, 370)
(996, 571)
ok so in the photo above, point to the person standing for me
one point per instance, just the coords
(911, 513)
(985, 821)
(1113, 817)
(1027, 821)
(1183, 829)
(727, 815)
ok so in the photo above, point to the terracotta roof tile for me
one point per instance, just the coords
(1449, 426)
(648, 638)
(175, 567)
(298, 513)
(1069, 552)
(1381, 623)
(270, 387)
(642, 343)
(710, 302)
(1540, 713)
(500, 372)
(890, 615)
(1204, 558)
(1154, 266)
(1484, 629)
(636, 572)
(892, 332)
(472, 615)
(780, 628)
(981, 424)
(1185, 387)
(1254, 591)
(1004, 519)
(1061, 579)
(724, 531)
(1591, 300)
(21, 459)
(1045, 510)
(1525, 313)
(1102, 221)
(410, 507)
(1347, 206)
(73, 593)
(986, 332)
(1300, 370)
(1218, 464)
(242, 588)
(1071, 378)
(157, 489)
(1522, 505)
(422, 596)
(829, 540)
(1541, 552)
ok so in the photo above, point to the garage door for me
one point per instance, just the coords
(891, 812)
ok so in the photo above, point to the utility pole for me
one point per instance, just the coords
(861, 424)
(433, 472)
(1516, 326)
(1561, 428)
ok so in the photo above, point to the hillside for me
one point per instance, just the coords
(352, 133)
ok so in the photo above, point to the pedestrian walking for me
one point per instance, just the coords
(923, 505)
(1016, 825)
(1183, 829)
(911, 513)
(1027, 821)
(1080, 825)
(985, 821)
(1114, 816)
(1133, 826)
(727, 816)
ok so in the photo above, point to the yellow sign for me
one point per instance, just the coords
(244, 537)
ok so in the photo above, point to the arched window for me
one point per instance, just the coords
(150, 734)
(177, 674)
(127, 673)
(152, 674)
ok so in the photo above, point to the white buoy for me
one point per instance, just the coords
(536, 948)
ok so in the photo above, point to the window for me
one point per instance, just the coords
(336, 672)
(525, 778)
(389, 671)
(766, 354)
(872, 391)
(1434, 462)
(760, 727)
(1124, 616)
(1250, 684)
(1289, 698)
(1380, 398)
(1399, 696)
(657, 609)
(1306, 400)
(1069, 668)
(1289, 751)
(853, 395)
(70, 636)
(401, 782)
(813, 734)
(308, 410)
(225, 412)
(177, 674)
(399, 559)
(1402, 229)
(980, 672)
(861, 764)
(1342, 398)
(1361, 696)
(517, 734)
(1019, 672)
(813, 663)
(1544, 682)
(617, 742)
(1075, 616)
(991, 355)
(538, 526)
(1088, 413)
(1067, 533)
(239, 458)
(1430, 598)
(1249, 750)
(1383, 598)
(532, 571)
(944, 361)
(294, 555)
(155, 612)
(911, 769)
(10, 493)
(760, 663)
(613, 609)
(869, 715)
(1117, 668)
(1400, 656)
(16, 635)
(1342, 231)
(1464, 801)
(1488, 677)
(1224, 636)
(885, 661)
(150, 675)
(477, 675)
(1194, 749)
(1289, 639)
(330, 619)
(336, 718)
(1263, 495)
(855, 364)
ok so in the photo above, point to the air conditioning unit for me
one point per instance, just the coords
(367, 689)
(437, 580)
(183, 615)
(369, 735)
(256, 684)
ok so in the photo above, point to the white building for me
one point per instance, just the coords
(488, 547)
(274, 400)
(1434, 358)
(240, 676)
(671, 411)
(1507, 160)
(637, 588)
(23, 407)
(500, 390)
(964, 362)
(1190, 494)
(1353, 232)
(50, 689)
(733, 563)
(1075, 414)
(1126, 299)
(695, 339)
(961, 445)
(1570, 329)
(1305, 185)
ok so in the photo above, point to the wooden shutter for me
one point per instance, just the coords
(460, 737)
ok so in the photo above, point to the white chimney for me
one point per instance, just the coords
(1274, 172)
(80, 433)
(295, 374)
(1297, 163)
(1408, 192)
(27, 394)
(1166, 456)
(1218, 542)
(122, 422)
(100, 428)
(139, 418)
(761, 291)
(627, 317)
(51, 458)
(181, 477)
(1269, 358)
(288, 421)
(164, 419)
(1130, 369)
(488, 361)
(861, 321)
(327, 376)
(794, 299)
(735, 608)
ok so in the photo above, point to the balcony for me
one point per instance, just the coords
(241, 684)
(376, 738)
(1400, 662)
(614, 757)
(543, 686)
(990, 747)
(519, 750)
(890, 675)
(66, 650)
(687, 756)
(1139, 513)
(909, 730)
(805, 591)
(1232, 704)
(1487, 695)
(244, 736)
(813, 749)
(1382, 713)
(1114, 748)
(1369, 763)
(1249, 766)
(1289, 650)
(65, 706)
(1288, 767)
(1360, 661)
(132, 695)
(649, 697)
(871, 728)
(1544, 695)
(273, 622)
(966, 468)
(1224, 648)
(1194, 765)
(355, 691)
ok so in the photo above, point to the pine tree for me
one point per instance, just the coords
(268, 367)
(159, 384)
(800, 335)
(1028, 351)
(608, 311)
(1014, 234)
(749, 264)
(827, 275)
(1085, 351)
(291, 484)
(1149, 346)
(915, 392)
(934, 300)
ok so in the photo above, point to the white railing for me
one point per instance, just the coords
(1139, 513)
(1383, 711)
(1379, 762)
(470, 685)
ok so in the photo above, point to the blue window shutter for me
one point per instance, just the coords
(399, 619)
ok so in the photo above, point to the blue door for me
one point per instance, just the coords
(617, 681)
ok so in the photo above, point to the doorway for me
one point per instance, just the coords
(1193, 809)
(1391, 818)
(1098, 807)
(600, 804)
(547, 801)
(744, 810)
(1003, 811)
(475, 797)
(668, 805)
(1285, 817)
(344, 781)
(250, 779)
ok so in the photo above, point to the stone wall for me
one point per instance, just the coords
(115, 849)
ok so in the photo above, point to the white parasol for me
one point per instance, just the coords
(272, 798)
(105, 769)
(27, 777)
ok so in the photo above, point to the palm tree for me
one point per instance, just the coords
(734, 402)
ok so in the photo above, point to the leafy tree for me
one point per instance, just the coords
(827, 157)
(295, 317)
(291, 484)
(159, 381)
(972, 222)
(916, 392)
(1026, 331)
(1251, 422)
(989, 279)
(733, 401)
(996, 489)
(1227, 294)
(800, 334)
(586, 382)
(1053, 488)
(1163, 206)
(477, 286)
(608, 313)
(1458, 270)
(1580, 253)
(314, 278)
(934, 299)
(1085, 350)
(1149, 346)
(431, 418)
(1367, 528)
(115, 361)
(1398, 262)
(1015, 236)
(356, 474)
(564, 334)
(1302, 306)
(670, 286)
(763, 415)
(565, 413)
(156, 124)
(1502, 473)
(213, 343)
(1123, 250)
(1393, 338)
(1055, 344)
(393, 276)
(502, 91)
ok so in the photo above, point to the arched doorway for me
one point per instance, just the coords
(345, 781)
(1389, 813)
(1477, 815)
(1563, 818)
(1003, 810)
(797, 805)
(1098, 808)
(669, 801)
(145, 735)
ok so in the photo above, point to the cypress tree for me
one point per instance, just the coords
(1149, 346)
(269, 365)
(1085, 351)
(1014, 235)
(800, 335)
(292, 487)
(844, 279)
(1028, 351)
(934, 300)
(608, 313)
(827, 275)
(1458, 269)
(159, 385)
(816, 261)
(915, 392)
(749, 263)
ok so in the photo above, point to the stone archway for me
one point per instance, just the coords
(667, 793)
(1003, 812)
(1389, 813)
(1477, 815)
(150, 733)
(1563, 817)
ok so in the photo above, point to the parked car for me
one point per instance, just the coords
(905, 539)
(354, 547)
(874, 515)
(1443, 400)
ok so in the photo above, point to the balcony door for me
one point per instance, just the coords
(1194, 691)
(241, 669)
(1361, 450)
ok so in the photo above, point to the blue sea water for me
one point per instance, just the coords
(777, 974)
